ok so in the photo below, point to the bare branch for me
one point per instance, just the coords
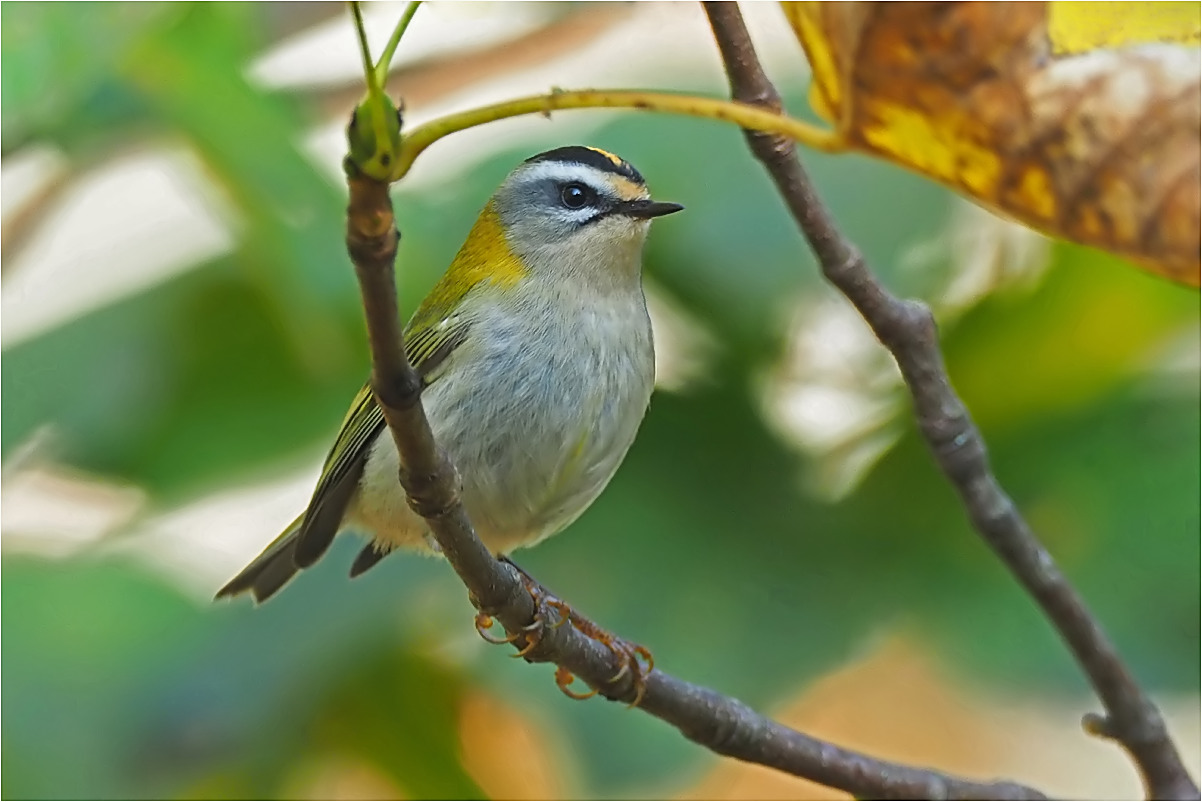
(908, 330)
(724, 725)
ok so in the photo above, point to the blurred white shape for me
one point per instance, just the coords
(683, 346)
(834, 394)
(1184, 354)
(823, 417)
(1175, 366)
(672, 35)
(130, 224)
(203, 544)
(329, 52)
(53, 511)
(985, 252)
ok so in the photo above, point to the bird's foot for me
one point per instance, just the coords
(628, 654)
(543, 600)
(532, 633)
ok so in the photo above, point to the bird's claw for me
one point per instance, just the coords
(484, 623)
(533, 632)
(564, 679)
(628, 654)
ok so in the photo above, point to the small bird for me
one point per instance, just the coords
(536, 354)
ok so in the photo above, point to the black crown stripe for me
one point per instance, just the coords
(591, 157)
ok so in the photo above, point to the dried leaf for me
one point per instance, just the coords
(993, 99)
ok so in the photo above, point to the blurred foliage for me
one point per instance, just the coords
(140, 693)
(706, 547)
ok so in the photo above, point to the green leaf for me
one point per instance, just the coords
(59, 66)
(1088, 326)
(399, 713)
(1108, 490)
(78, 644)
(121, 688)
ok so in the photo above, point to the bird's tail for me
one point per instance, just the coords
(271, 570)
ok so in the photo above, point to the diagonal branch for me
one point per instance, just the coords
(721, 724)
(907, 329)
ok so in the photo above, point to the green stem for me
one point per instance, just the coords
(380, 111)
(364, 50)
(741, 114)
(385, 62)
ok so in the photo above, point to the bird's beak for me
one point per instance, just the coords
(646, 209)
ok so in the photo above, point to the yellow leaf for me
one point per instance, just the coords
(1098, 147)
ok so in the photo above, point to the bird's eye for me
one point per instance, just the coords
(576, 195)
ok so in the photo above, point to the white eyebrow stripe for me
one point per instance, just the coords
(565, 173)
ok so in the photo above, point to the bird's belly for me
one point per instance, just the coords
(535, 436)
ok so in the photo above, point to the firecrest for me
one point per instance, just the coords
(536, 353)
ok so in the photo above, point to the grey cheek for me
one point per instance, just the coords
(545, 230)
(518, 204)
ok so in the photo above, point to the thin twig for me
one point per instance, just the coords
(724, 725)
(385, 62)
(908, 330)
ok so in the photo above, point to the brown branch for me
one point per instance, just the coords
(723, 725)
(908, 330)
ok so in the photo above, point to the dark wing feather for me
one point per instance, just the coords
(308, 537)
(268, 572)
(344, 464)
(339, 478)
